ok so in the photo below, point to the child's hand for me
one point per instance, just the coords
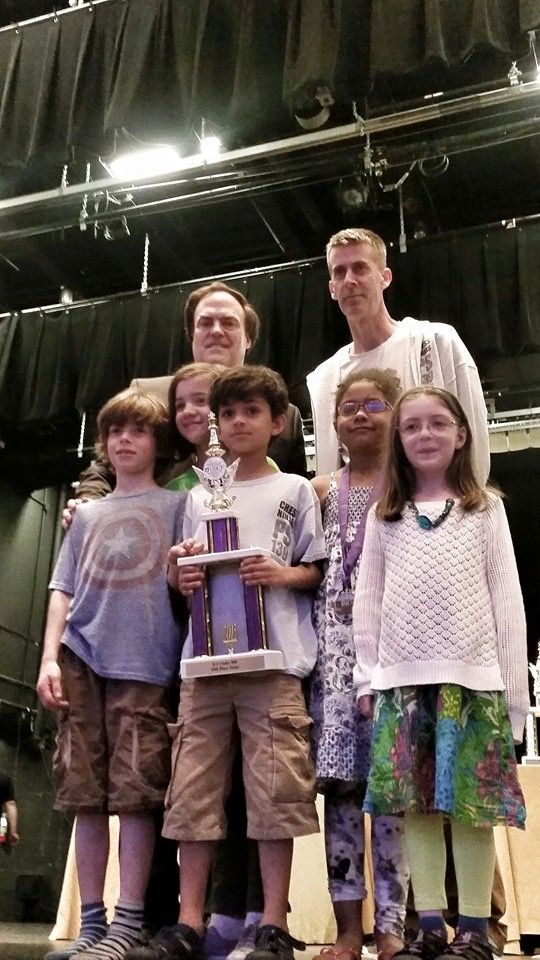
(49, 687)
(185, 579)
(189, 580)
(364, 705)
(68, 511)
(264, 572)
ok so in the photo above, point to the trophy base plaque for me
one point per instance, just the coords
(233, 663)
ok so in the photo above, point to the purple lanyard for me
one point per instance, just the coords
(351, 551)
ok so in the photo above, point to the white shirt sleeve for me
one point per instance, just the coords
(460, 376)
(509, 614)
(190, 520)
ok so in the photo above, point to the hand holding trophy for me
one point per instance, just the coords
(227, 615)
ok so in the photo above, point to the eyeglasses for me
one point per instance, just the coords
(349, 408)
(436, 426)
(228, 324)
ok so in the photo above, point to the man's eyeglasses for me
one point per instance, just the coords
(205, 324)
(349, 408)
(439, 425)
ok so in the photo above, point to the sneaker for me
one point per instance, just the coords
(217, 947)
(469, 945)
(425, 946)
(273, 943)
(171, 943)
(245, 944)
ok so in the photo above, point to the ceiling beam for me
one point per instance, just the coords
(237, 164)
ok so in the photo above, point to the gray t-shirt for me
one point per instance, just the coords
(280, 512)
(113, 563)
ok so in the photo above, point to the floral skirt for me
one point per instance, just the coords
(443, 748)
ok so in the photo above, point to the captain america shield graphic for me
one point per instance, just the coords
(126, 550)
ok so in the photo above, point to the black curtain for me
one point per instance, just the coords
(487, 285)
(57, 363)
(515, 473)
(156, 67)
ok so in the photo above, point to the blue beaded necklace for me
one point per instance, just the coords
(424, 522)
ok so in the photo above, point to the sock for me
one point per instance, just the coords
(93, 928)
(253, 918)
(432, 921)
(477, 924)
(230, 928)
(124, 933)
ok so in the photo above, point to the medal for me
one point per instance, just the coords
(343, 605)
(350, 552)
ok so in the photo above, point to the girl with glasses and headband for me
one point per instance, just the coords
(440, 636)
(362, 415)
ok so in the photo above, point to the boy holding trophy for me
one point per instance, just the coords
(280, 513)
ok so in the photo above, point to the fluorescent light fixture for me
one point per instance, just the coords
(148, 162)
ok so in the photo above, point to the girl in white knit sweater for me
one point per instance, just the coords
(439, 634)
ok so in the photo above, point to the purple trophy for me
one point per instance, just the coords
(228, 624)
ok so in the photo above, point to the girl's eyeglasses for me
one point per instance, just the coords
(349, 408)
(411, 428)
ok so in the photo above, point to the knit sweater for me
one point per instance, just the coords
(442, 606)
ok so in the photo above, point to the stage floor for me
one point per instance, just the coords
(29, 941)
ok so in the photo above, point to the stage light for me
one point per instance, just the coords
(312, 106)
(116, 229)
(210, 148)
(147, 162)
(514, 74)
(66, 296)
(209, 143)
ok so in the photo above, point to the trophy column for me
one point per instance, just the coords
(228, 623)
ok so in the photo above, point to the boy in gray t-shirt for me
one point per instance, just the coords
(111, 650)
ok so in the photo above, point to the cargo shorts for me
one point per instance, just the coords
(278, 771)
(113, 747)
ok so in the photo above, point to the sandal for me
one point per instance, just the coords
(338, 953)
(388, 944)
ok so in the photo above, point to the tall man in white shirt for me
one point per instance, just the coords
(419, 351)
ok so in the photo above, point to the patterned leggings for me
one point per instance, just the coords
(344, 841)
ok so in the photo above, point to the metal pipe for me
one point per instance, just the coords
(16, 706)
(94, 301)
(265, 151)
(17, 683)
(257, 271)
(51, 16)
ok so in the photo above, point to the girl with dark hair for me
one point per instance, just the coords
(362, 416)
